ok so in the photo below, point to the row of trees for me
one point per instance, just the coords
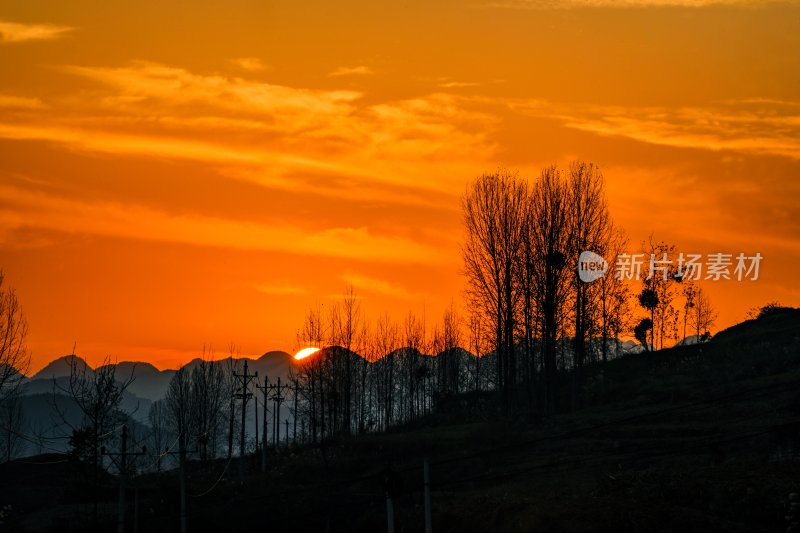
(531, 317)
(523, 240)
(369, 377)
(520, 255)
(671, 297)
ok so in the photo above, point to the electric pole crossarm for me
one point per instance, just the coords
(265, 391)
(244, 395)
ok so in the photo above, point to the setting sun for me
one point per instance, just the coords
(305, 352)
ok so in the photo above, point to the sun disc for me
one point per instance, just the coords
(305, 352)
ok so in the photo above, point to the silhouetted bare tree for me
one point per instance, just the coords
(208, 400)
(12, 422)
(590, 231)
(615, 295)
(97, 394)
(14, 364)
(702, 315)
(159, 430)
(493, 209)
(311, 374)
(448, 353)
(386, 337)
(659, 289)
(549, 239)
(14, 357)
(478, 342)
(413, 366)
(347, 332)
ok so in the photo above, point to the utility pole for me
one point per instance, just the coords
(296, 391)
(277, 398)
(255, 417)
(392, 485)
(230, 429)
(264, 390)
(122, 466)
(182, 479)
(389, 513)
(426, 478)
(181, 453)
(136, 510)
(287, 432)
(244, 395)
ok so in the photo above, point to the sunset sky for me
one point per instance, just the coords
(174, 174)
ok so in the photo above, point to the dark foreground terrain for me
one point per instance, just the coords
(694, 438)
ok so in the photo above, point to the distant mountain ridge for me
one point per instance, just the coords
(778, 331)
(149, 382)
(275, 362)
(60, 366)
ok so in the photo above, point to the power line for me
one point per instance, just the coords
(32, 440)
(214, 485)
(55, 462)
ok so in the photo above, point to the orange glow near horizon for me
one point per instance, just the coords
(206, 186)
(304, 353)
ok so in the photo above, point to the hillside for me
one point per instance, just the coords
(694, 438)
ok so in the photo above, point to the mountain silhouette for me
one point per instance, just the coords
(61, 367)
(149, 382)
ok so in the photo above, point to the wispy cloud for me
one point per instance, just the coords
(377, 286)
(106, 141)
(251, 64)
(279, 290)
(20, 102)
(360, 70)
(16, 32)
(144, 83)
(271, 134)
(458, 84)
(756, 126)
(623, 4)
(23, 209)
(271, 169)
(416, 127)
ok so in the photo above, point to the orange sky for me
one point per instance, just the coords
(187, 174)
